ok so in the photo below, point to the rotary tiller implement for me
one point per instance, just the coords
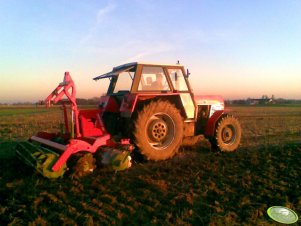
(48, 153)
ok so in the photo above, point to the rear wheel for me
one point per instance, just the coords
(227, 134)
(158, 130)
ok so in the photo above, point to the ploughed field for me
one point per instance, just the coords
(196, 187)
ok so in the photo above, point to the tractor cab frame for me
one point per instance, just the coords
(135, 82)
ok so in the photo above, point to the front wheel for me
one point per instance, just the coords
(227, 134)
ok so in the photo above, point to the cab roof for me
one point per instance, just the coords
(125, 67)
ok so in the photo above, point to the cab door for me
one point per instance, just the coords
(181, 87)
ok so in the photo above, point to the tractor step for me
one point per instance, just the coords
(40, 158)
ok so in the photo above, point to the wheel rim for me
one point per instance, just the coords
(228, 134)
(160, 131)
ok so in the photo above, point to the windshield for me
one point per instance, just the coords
(124, 81)
(153, 79)
(121, 78)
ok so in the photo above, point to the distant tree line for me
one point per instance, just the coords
(262, 101)
(265, 100)
(79, 101)
(90, 101)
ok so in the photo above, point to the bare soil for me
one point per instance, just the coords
(196, 187)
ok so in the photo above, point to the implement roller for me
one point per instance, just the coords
(40, 158)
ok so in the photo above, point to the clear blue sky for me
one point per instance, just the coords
(236, 49)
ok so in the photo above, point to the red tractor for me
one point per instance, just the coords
(151, 106)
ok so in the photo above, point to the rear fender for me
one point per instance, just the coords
(211, 123)
(132, 102)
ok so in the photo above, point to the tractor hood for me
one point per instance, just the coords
(208, 100)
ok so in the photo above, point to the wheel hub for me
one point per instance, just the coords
(158, 130)
(228, 134)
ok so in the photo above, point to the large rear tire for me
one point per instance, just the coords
(158, 130)
(227, 134)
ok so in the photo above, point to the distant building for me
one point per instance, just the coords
(264, 100)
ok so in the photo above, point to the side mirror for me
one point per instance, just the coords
(187, 73)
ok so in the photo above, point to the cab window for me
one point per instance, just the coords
(178, 79)
(153, 79)
(124, 82)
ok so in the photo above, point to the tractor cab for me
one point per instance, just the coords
(140, 78)
(134, 83)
